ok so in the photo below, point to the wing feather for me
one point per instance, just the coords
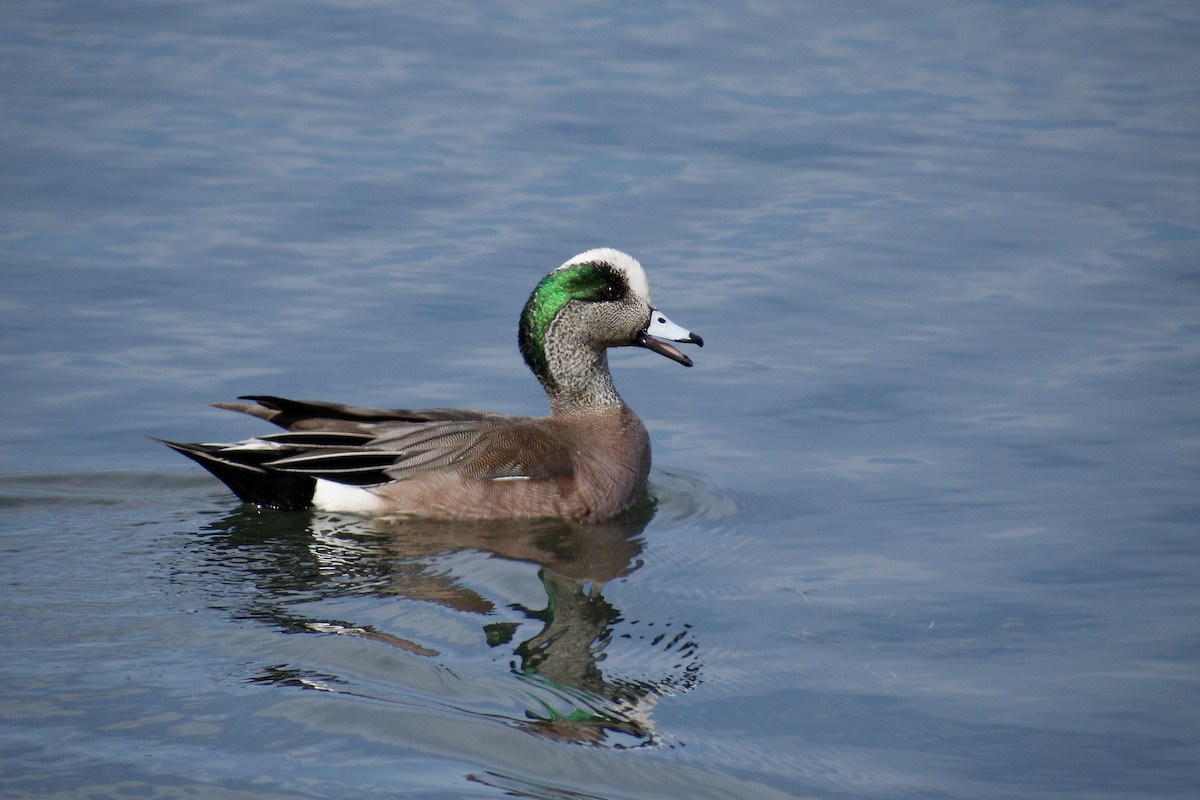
(371, 446)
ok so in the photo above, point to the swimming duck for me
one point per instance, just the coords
(587, 461)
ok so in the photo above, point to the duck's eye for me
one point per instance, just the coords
(612, 291)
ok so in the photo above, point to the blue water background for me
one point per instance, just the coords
(928, 506)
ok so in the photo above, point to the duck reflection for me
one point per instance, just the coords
(298, 559)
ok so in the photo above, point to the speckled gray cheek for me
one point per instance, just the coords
(576, 362)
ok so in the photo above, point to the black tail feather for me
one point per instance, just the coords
(251, 482)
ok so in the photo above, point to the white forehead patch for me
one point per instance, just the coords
(623, 262)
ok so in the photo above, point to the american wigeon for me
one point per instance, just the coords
(587, 461)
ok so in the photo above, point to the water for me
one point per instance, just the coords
(925, 519)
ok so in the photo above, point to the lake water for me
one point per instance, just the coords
(926, 516)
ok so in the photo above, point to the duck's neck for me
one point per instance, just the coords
(577, 379)
(571, 366)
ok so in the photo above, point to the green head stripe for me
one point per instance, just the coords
(577, 282)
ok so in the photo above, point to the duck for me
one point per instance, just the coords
(587, 461)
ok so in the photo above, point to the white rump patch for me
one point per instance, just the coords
(334, 496)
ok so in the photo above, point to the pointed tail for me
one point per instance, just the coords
(241, 470)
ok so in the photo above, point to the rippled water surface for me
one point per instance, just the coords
(924, 518)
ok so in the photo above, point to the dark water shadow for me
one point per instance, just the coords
(295, 561)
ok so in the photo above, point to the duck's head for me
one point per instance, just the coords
(596, 300)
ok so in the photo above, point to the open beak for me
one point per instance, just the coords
(662, 328)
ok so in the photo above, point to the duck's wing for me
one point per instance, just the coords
(368, 447)
(493, 448)
(504, 448)
(364, 446)
(314, 415)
